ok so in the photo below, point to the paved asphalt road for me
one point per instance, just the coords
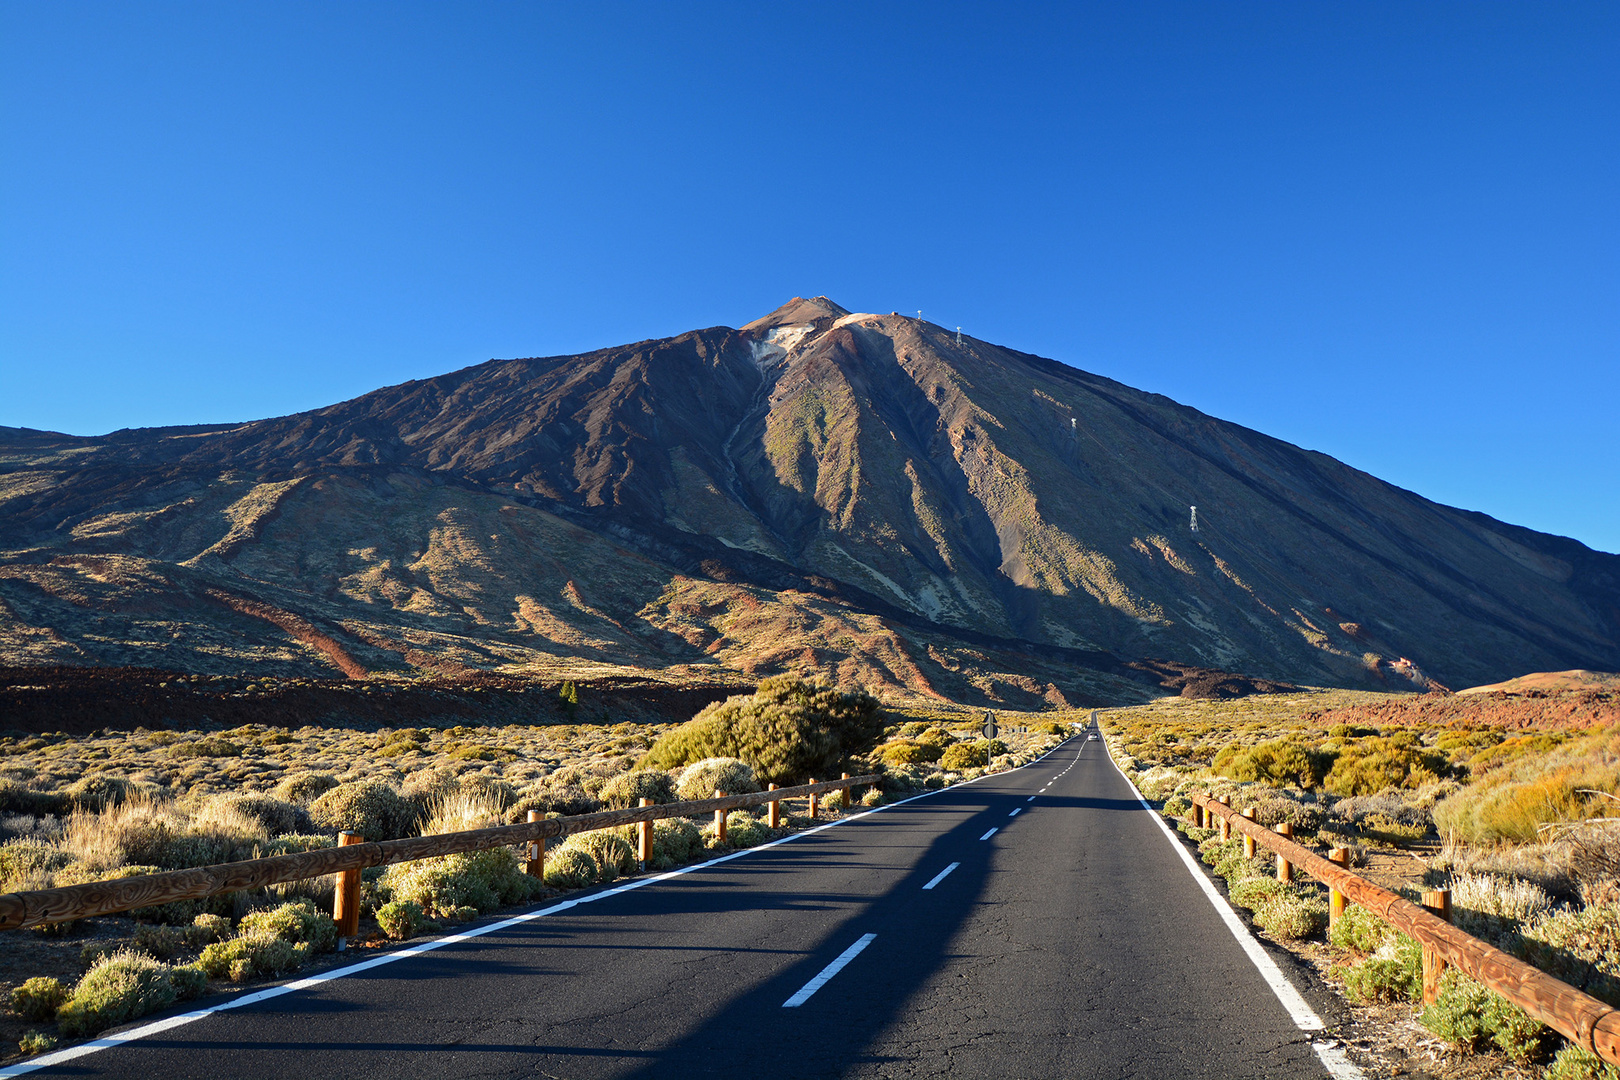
(1070, 942)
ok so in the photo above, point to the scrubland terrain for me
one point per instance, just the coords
(1509, 799)
(110, 803)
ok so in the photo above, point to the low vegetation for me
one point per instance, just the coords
(1518, 824)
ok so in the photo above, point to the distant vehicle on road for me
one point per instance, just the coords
(1092, 737)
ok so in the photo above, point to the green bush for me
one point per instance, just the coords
(1469, 1016)
(628, 789)
(1252, 893)
(253, 953)
(295, 922)
(676, 841)
(964, 755)
(1239, 867)
(481, 880)
(1291, 917)
(903, 752)
(1576, 1063)
(368, 807)
(1278, 762)
(1215, 850)
(1359, 930)
(570, 868)
(787, 730)
(1370, 765)
(743, 830)
(23, 861)
(400, 919)
(1176, 805)
(120, 987)
(35, 1042)
(1393, 973)
(701, 779)
(38, 999)
(613, 854)
(18, 798)
(304, 786)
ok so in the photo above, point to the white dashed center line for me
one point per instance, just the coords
(827, 973)
(1015, 812)
(989, 834)
(939, 877)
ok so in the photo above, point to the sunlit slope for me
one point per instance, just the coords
(817, 489)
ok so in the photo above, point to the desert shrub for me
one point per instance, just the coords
(1370, 765)
(628, 789)
(461, 811)
(274, 816)
(121, 987)
(701, 779)
(613, 854)
(560, 793)
(1156, 784)
(1292, 917)
(1273, 810)
(1577, 1063)
(1196, 833)
(296, 922)
(304, 786)
(252, 953)
(36, 1042)
(491, 789)
(1240, 867)
(964, 755)
(482, 880)
(1469, 1016)
(903, 779)
(24, 863)
(96, 793)
(1215, 850)
(1393, 973)
(743, 830)
(1280, 761)
(570, 868)
(1581, 946)
(786, 730)
(1177, 805)
(1494, 907)
(676, 841)
(37, 999)
(1359, 930)
(400, 919)
(189, 981)
(368, 807)
(293, 843)
(904, 752)
(209, 746)
(1252, 893)
(17, 798)
(1389, 832)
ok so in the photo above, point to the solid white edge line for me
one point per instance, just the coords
(939, 877)
(825, 976)
(157, 1027)
(1337, 1063)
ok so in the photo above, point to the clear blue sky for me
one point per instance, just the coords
(1390, 232)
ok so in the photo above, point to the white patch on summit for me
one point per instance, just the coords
(779, 341)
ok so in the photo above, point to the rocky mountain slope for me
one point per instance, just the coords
(814, 490)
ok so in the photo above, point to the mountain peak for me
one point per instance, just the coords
(798, 311)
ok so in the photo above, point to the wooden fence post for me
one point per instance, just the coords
(1248, 841)
(773, 811)
(537, 851)
(1338, 856)
(813, 802)
(845, 776)
(1285, 869)
(719, 820)
(346, 899)
(1226, 826)
(1438, 902)
(1197, 816)
(644, 834)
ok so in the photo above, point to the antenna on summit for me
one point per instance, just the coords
(1194, 525)
(959, 335)
(919, 314)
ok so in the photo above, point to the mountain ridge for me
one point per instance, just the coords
(880, 466)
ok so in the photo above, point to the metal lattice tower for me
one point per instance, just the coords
(1194, 525)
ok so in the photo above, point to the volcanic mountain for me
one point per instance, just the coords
(861, 494)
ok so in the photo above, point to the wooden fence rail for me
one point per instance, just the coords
(18, 910)
(1579, 1017)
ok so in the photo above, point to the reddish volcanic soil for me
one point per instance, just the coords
(1535, 709)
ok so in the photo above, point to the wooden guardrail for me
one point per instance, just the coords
(1579, 1017)
(23, 909)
